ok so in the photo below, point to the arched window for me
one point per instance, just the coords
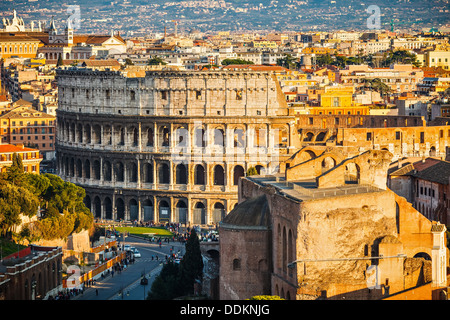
(236, 264)
(164, 173)
(87, 169)
(199, 175)
(219, 176)
(119, 172)
(133, 173)
(181, 174)
(148, 173)
(238, 172)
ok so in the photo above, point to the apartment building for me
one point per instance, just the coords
(31, 158)
(399, 78)
(25, 125)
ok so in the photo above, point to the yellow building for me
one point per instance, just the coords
(22, 46)
(263, 44)
(351, 110)
(317, 50)
(440, 57)
(24, 125)
(337, 97)
(336, 100)
(31, 158)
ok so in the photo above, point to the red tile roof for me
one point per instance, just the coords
(10, 148)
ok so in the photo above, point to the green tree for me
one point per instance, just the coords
(165, 286)
(60, 61)
(227, 62)
(14, 201)
(324, 60)
(252, 171)
(155, 61)
(288, 61)
(191, 266)
(15, 171)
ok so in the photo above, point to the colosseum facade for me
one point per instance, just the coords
(169, 146)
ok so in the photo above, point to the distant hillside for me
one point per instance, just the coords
(300, 15)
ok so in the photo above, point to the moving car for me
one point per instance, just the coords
(136, 252)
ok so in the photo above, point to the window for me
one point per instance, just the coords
(164, 95)
(236, 264)
(422, 137)
(198, 94)
(369, 136)
(397, 135)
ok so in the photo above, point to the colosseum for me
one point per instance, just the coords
(169, 146)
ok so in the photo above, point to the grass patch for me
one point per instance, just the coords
(9, 247)
(146, 232)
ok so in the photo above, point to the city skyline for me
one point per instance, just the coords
(139, 17)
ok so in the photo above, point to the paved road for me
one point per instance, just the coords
(126, 284)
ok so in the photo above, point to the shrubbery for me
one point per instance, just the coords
(61, 204)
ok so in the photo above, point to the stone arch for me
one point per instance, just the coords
(133, 172)
(181, 211)
(328, 163)
(181, 136)
(80, 133)
(107, 134)
(108, 208)
(163, 173)
(148, 172)
(133, 136)
(87, 133)
(218, 212)
(200, 140)
(148, 208)
(107, 171)
(87, 202)
(352, 173)
(72, 167)
(239, 137)
(219, 137)
(164, 210)
(87, 169)
(150, 137)
(308, 137)
(134, 209)
(181, 174)
(97, 134)
(260, 136)
(97, 207)
(79, 168)
(219, 175)
(164, 136)
(119, 172)
(423, 255)
(432, 151)
(260, 169)
(120, 209)
(199, 174)
(238, 172)
(96, 170)
(321, 136)
(199, 213)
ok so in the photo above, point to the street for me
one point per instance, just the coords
(125, 285)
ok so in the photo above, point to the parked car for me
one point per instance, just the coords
(127, 247)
